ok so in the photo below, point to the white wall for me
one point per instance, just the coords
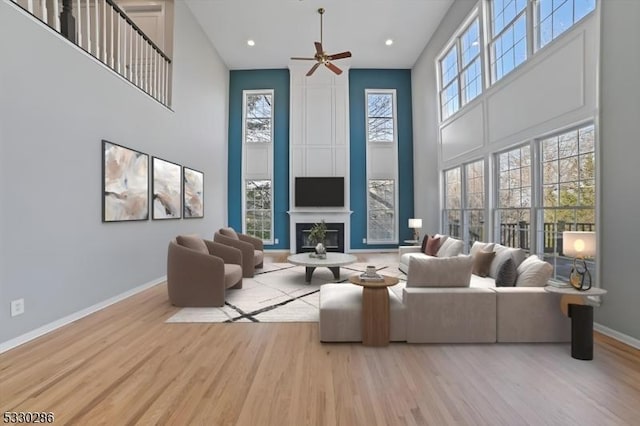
(425, 120)
(620, 174)
(57, 103)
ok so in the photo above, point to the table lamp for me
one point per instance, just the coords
(415, 224)
(579, 245)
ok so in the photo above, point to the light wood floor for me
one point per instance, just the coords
(124, 365)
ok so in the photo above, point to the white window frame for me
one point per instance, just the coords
(457, 43)
(539, 201)
(390, 171)
(445, 209)
(491, 38)
(533, 191)
(538, 23)
(466, 208)
(260, 148)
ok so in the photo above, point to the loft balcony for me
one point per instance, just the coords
(105, 31)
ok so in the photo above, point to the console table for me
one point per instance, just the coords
(573, 304)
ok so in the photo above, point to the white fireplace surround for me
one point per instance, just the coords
(315, 215)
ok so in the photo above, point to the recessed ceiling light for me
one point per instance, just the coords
(251, 43)
(389, 42)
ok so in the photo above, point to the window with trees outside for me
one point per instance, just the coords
(452, 214)
(461, 75)
(474, 202)
(514, 198)
(258, 150)
(258, 208)
(508, 29)
(568, 193)
(553, 17)
(382, 166)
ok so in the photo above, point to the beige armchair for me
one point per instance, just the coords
(252, 248)
(199, 271)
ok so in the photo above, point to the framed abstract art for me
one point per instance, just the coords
(125, 183)
(193, 189)
(167, 190)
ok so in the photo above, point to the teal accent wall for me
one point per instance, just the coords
(359, 80)
(278, 80)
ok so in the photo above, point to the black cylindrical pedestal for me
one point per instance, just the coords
(581, 331)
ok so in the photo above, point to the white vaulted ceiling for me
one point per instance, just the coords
(284, 28)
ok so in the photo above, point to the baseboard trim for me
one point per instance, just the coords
(48, 328)
(627, 340)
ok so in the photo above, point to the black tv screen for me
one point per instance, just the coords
(319, 192)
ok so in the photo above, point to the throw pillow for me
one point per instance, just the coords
(423, 249)
(433, 244)
(440, 271)
(451, 247)
(507, 274)
(478, 246)
(229, 232)
(533, 272)
(502, 253)
(482, 262)
(193, 242)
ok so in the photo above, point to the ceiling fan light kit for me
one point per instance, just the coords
(321, 57)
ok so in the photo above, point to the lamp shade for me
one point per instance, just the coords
(415, 223)
(579, 243)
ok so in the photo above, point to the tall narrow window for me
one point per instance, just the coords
(474, 202)
(514, 198)
(553, 17)
(508, 46)
(568, 192)
(452, 215)
(461, 71)
(257, 164)
(382, 167)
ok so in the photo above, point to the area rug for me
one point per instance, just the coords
(277, 293)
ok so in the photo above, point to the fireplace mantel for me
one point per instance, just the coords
(315, 215)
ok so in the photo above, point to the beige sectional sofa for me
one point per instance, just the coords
(443, 302)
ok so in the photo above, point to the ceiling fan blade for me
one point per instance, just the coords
(340, 55)
(333, 68)
(313, 69)
(303, 59)
(319, 50)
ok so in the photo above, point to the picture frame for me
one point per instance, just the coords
(193, 191)
(125, 183)
(166, 200)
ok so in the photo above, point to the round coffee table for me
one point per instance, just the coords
(333, 261)
(375, 309)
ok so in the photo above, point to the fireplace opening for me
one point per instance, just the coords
(334, 240)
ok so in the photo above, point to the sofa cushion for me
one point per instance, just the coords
(450, 247)
(533, 272)
(432, 246)
(440, 271)
(229, 232)
(482, 262)
(480, 246)
(507, 273)
(503, 253)
(193, 242)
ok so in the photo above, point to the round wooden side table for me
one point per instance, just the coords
(375, 309)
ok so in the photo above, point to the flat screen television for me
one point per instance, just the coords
(319, 192)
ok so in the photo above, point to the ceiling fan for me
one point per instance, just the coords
(321, 57)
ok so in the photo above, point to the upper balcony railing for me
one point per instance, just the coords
(106, 32)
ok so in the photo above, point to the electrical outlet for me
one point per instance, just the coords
(364, 241)
(17, 307)
(276, 241)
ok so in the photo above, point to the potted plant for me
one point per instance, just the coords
(317, 236)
